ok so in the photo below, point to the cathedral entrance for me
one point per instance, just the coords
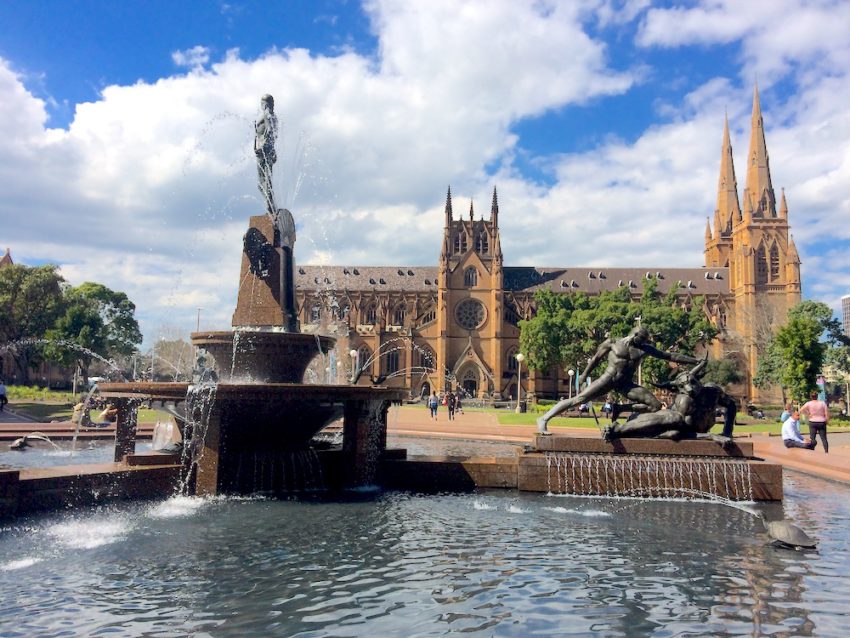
(469, 382)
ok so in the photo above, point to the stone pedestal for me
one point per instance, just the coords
(266, 294)
(648, 468)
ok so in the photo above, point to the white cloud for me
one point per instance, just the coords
(149, 189)
(195, 58)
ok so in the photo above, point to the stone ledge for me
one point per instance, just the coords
(663, 447)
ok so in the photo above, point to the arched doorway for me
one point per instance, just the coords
(469, 381)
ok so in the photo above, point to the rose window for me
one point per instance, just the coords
(470, 313)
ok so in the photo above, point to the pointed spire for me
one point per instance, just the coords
(494, 209)
(728, 209)
(449, 208)
(793, 256)
(470, 210)
(707, 230)
(759, 189)
(783, 206)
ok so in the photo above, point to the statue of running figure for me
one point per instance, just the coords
(624, 356)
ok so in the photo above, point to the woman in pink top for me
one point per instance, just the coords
(818, 415)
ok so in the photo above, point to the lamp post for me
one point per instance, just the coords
(571, 373)
(640, 363)
(198, 322)
(519, 358)
(353, 355)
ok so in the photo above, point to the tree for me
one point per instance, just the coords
(567, 329)
(723, 372)
(97, 323)
(839, 358)
(797, 353)
(30, 302)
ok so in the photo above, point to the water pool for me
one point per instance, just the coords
(393, 564)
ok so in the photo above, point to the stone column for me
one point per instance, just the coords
(125, 427)
(364, 439)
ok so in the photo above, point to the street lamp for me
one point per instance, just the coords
(571, 373)
(519, 357)
(353, 354)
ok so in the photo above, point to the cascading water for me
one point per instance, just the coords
(647, 476)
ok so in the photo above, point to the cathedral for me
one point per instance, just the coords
(455, 325)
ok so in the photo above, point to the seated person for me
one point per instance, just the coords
(791, 436)
(110, 413)
(81, 415)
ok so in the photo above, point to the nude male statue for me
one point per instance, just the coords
(624, 355)
(265, 129)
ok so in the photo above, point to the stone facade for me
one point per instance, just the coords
(455, 325)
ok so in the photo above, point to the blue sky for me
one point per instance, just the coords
(125, 132)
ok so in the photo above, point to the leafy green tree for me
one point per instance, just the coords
(723, 372)
(803, 355)
(839, 358)
(30, 302)
(97, 323)
(567, 329)
(797, 353)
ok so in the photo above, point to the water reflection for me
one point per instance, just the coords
(492, 563)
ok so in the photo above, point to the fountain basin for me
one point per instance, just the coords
(241, 425)
(261, 356)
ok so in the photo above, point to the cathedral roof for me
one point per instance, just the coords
(695, 281)
(390, 278)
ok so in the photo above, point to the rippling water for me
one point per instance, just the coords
(392, 564)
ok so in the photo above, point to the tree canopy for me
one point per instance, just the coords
(567, 329)
(30, 303)
(96, 322)
(797, 353)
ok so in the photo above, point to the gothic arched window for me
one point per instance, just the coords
(511, 359)
(315, 312)
(460, 242)
(363, 355)
(761, 265)
(391, 362)
(482, 244)
(398, 315)
(470, 277)
(774, 263)
(427, 358)
(372, 314)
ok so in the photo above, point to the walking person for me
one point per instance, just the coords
(458, 404)
(3, 399)
(451, 405)
(433, 403)
(818, 413)
(791, 436)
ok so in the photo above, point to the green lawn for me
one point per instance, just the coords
(743, 425)
(45, 412)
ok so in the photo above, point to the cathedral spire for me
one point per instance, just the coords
(470, 210)
(783, 207)
(759, 189)
(728, 208)
(707, 230)
(449, 208)
(792, 257)
(494, 209)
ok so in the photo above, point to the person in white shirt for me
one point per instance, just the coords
(791, 436)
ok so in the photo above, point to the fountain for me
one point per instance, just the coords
(249, 418)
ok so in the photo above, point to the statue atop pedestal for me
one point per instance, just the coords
(267, 284)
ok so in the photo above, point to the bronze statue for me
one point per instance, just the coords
(624, 355)
(691, 415)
